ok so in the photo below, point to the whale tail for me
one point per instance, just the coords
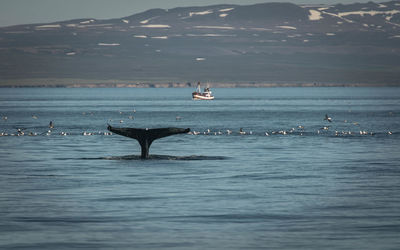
(146, 136)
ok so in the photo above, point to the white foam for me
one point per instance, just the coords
(314, 15)
(223, 15)
(125, 21)
(145, 21)
(140, 36)
(330, 34)
(214, 27)
(225, 10)
(201, 13)
(156, 26)
(48, 26)
(200, 59)
(108, 44)
(382, 6)
(287, 27)
(70, 53)
(397, 36)
(71, 25)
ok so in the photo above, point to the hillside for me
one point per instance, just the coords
(271, 43)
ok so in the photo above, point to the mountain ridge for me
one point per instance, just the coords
(265, 43)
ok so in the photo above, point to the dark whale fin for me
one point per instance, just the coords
(146, 136)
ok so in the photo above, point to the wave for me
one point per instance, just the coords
(160, 157)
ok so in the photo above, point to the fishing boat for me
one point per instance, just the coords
(205, 95)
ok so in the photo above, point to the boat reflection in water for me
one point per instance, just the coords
(205, 95)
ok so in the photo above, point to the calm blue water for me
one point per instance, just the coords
(301, 187)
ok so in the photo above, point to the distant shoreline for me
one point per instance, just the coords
(63, 83)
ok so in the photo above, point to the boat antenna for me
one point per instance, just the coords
(198, 87)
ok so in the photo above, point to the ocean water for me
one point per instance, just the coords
(293, 181)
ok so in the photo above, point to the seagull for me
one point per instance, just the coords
(241, 131)
(327, 118)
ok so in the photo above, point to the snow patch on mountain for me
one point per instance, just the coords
(214, 27)
(108, 44)
(210, 35)
(156, 26)
(200, 13)
(336, 15)
(48, 26)
(314, 15)
(287, 27)
(159, 37)
(87, 21)
(225, 10)
(370, 12)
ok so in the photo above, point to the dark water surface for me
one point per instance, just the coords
(300, 187)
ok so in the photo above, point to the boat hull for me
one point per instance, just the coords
(201, 97)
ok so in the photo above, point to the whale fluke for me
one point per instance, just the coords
(146, 136)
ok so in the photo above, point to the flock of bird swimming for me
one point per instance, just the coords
(298, 131)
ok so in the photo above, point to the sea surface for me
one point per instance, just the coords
(292, 180)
